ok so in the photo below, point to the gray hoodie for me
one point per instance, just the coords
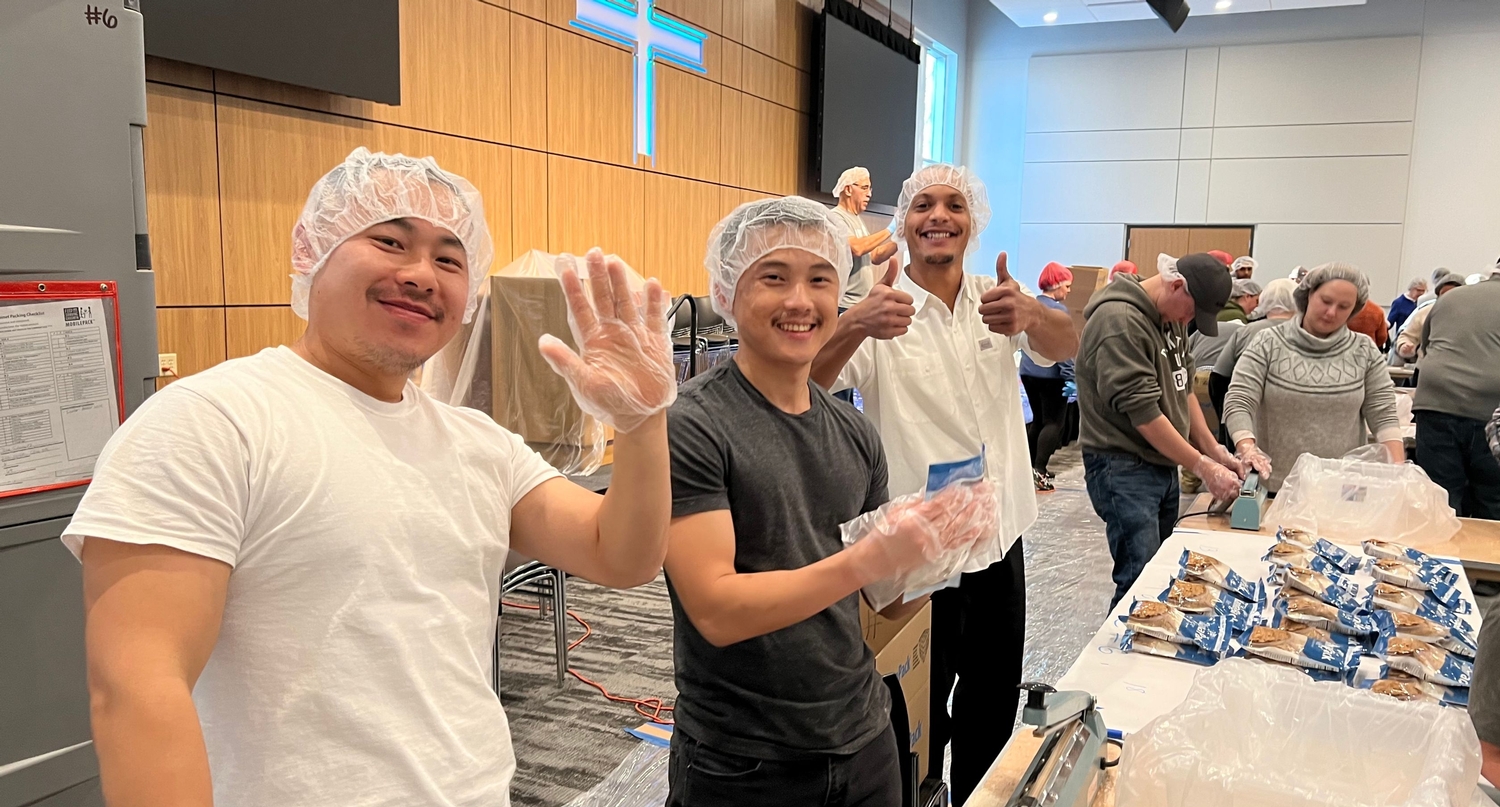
(1132, 368)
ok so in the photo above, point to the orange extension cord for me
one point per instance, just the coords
(653, 709)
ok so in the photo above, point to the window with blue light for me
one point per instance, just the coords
(939, 103)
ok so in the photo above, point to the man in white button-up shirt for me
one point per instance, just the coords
(940, 381)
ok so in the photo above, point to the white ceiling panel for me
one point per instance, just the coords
(1034, 13)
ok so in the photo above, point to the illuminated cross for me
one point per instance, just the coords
(640, 27)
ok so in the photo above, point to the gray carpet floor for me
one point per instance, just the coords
(569, 738)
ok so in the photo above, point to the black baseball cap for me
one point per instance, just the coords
(1210, 284)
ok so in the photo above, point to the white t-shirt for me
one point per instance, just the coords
(861, 274)
(945, 389)
(367, 540)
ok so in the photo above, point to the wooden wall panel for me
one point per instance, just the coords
(731, 61)
(794, 26)
(528, 91)
(595, 205)
(167, 71)
(705, 14)
(590, 111)
(249, 330)
(688, 108)
(196, 335)
(182, 196)
(679, 215)
(528, 202)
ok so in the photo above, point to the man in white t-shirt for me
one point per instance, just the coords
(292, 561)
(870, 251)
(932, 350)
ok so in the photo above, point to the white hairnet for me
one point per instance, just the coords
(755, 229)
(370, 188)
(954, 176)
(1244, 288)
(1278, 295)
(1243, 262)
(1329, 272)
(850, 177)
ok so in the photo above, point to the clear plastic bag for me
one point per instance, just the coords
(1254, 734)
(493, 365)
(1360, 496)
(640, 780)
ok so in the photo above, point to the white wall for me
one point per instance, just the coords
(1336, 148)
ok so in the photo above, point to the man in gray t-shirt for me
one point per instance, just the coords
(869, 251)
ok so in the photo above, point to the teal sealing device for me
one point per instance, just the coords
(1248, 508)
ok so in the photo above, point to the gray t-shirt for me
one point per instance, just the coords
(1461, 353)
(788, 482)
(861, 275)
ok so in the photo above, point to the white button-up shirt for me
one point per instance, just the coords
(943, 390)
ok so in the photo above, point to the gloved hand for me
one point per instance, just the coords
(1221, 482)
(910, 533)
(1251, 454)
(623, 373)
(1222, 456)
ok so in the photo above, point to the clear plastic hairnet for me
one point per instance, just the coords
(1243, 262)
(1244, 288)
(1330, 272)
(755, 229)
(849, 177)
(1277, 296)
(954, 176)
(370, 188)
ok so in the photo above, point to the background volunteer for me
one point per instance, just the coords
(868, 250)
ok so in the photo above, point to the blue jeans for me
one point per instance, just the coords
(1138, 502)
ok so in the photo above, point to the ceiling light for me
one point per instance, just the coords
(1223, 4)
(1050, 16)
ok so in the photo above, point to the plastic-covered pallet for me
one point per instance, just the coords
(640, 780)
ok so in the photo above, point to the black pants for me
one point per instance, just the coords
(1452, 450)
(700, 776)
(978, 635)
(1044, 432)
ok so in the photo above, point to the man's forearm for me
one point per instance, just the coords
(637, 507)
(864, 245)
(1203, 437)
(831, 359)
(149, 743)
(1053, 335)
(744, 606)
(1164, 437)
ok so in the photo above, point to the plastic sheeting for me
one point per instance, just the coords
(506, 377)
(640, 780)
(1252, 734)
(1359, 496)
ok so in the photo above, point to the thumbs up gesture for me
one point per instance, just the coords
(886, 312)
(1005, 308)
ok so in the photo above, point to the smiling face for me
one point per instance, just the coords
(1329, 307)
(937, 226)
(786, 306)
(390, 296)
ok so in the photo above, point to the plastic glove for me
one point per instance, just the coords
(623, 373)
(1251, 455)
(909, 533)
(1223, 483)
(1222, 456)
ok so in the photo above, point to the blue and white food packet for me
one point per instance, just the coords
(1399, 685)
(1394, 551)
(1425, 661)
(1283, 554)
(1301, 538)
(1337, 591)
(1192, 597)
(1345, 562)
(1197, 566)
(1133, 642)
(1338, 654)
(1310, 610)
(1396, 598)
(942, 474)
(1453, 639)
(1439, 580)
(1161, 621)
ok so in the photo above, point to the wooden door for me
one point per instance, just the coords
(1234, 240)
(1145, 243)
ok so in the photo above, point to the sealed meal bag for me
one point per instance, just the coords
(1346, 562)
(1339, 654)
(1349, 499)
(1396, 598)
(1403, 687)
(1336, 591)
(1260, 735)
(1408, 575)
(1394, 551)
(945, 568)
(1159, 620)
(1199, 598)
(1133, 642)
(1196, 566)
(1283, 553)
(1454, 639)
(1425, 661)
(1309, 610)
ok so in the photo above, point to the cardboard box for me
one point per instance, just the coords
(904, 648)
(1086, 281)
